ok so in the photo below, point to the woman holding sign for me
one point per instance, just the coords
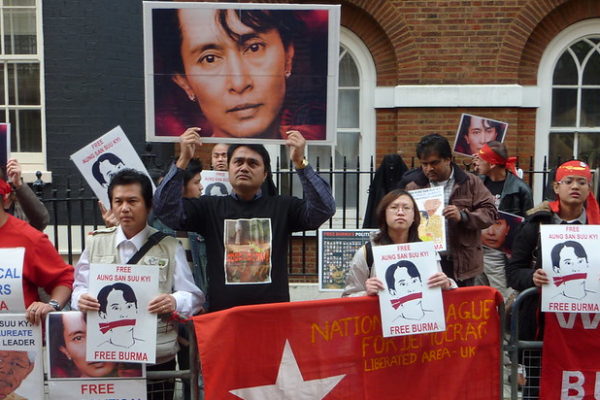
(398, 218)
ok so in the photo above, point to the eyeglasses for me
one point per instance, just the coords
(395, 209)
(569, 181)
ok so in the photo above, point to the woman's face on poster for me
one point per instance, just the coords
(480, 132)
(74, 333)
(238, 84)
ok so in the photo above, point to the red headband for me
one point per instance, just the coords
(488, 155)
(573, 168)
(5, 188)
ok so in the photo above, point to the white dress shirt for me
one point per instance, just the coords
(188, 296)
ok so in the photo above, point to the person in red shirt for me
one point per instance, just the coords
(42, 265)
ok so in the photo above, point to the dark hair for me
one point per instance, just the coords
(498, 148)
(411, 269)
(218, 185)
(259, 148)
(111, 158)
(59, 363)
(128, 294)
(383, 237)
(130, 177)
(576, 246)
(434, 143)
(193, 169)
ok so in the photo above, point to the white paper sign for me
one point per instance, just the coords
(123, 329)
(431, 204)
(103, 158)
(408, 306)
(215, 183)
(571, 259)
(22, 369)
(98, 390)
(11, 280)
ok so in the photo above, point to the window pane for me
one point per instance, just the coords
(347, 147)
(565, 72)
(27, 125)
(590, 107)
(24, 88)
(561, 148)
(564, 103)
(589, 148)
(2, 97)
(323, 154)
(19, 3)
(348, 71)
(20, 31)
(581, 49)
(591, 73)
(348, 108)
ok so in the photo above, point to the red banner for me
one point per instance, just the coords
(333, 349)
(570, 363)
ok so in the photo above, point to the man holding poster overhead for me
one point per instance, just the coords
(247, 232)
(469, 206)
(42, 265)
(130, 194)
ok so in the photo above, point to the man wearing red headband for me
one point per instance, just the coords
(42, 266)
(575, 204)
(512, 195)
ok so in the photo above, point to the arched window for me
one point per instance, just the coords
(568, 121)
(355, 131)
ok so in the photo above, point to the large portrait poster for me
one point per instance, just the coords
(571, 259)
(336, 249)
(71, 376)
(11, 280)
(501, 234)
(21, 361)
(123, 329)
(431, 204)
(241, 71)
(103, 158)
(215, 183)
(475, 131)
(4, 144)
(408, 306)
(248, 251)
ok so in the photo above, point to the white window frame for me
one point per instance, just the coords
(34, 161)
(546, 68)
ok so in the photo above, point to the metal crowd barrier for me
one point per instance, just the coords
(530, 353)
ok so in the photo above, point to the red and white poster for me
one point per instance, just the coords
(215, 183)
(333, 349)
(570, 361)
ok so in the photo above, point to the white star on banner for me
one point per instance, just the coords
(289, 384)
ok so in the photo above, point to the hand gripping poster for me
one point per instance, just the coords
(21, 361)
(336, 249)
(11, 280)
(433, 226)
(100, 160)
(72, 377)
(123, 329)
(571, 260)
(408, 306)
(215, 183)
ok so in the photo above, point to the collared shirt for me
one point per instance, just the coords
(188, 296)
(168, 202)
(582, 219)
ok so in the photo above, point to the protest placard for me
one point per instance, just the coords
(215, 183)
(11, 280)
(21, 361)
(572, 263)
(248, 251)
(474, 131)
(501, 234)
(408, 306)
(123, 329)
(100, 160)
(336, 249)
(431, 204)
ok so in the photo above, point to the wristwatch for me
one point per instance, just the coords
(55, 304)
(303, 164)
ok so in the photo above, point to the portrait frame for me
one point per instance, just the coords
(461, 145)
(309, 101)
